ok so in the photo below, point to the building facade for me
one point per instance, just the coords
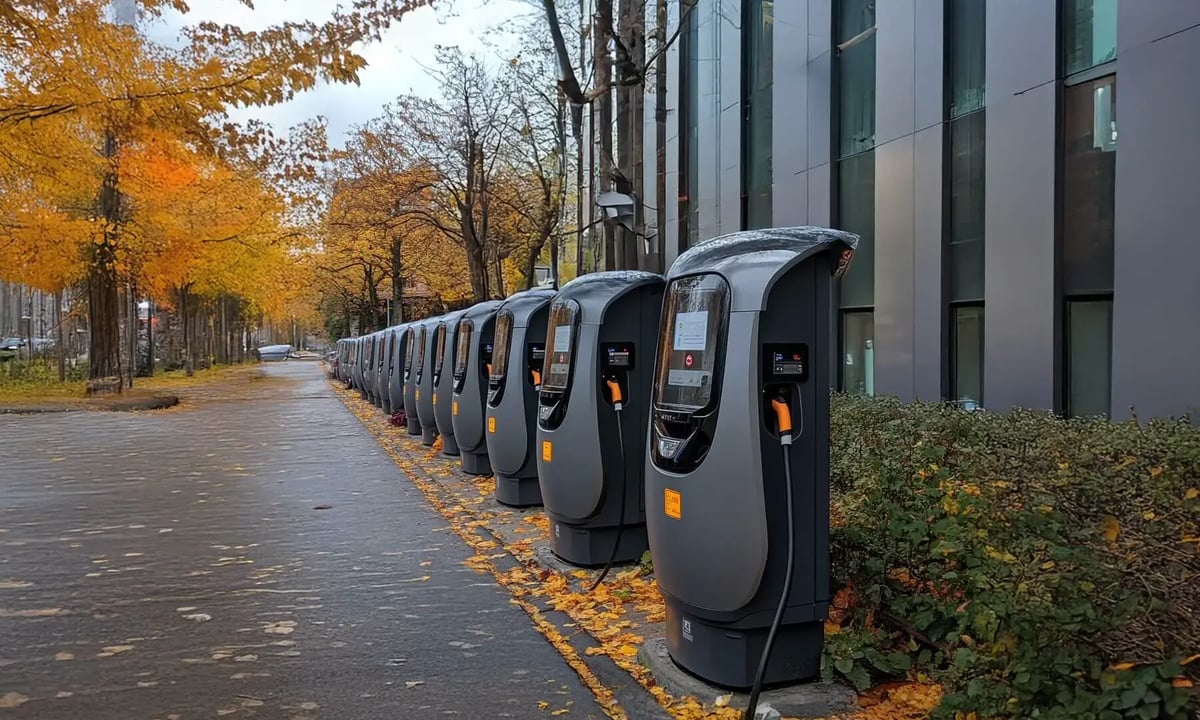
(1015, 253)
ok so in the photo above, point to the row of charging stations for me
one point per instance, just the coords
(685, 414)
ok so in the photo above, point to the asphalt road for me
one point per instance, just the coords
(172, 566)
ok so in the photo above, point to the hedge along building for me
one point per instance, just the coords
(1015, 253)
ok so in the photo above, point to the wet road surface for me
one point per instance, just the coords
(173, 566)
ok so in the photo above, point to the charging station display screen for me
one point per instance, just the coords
(504, 323)
(694, 318)
(462, 346)
(556, 372)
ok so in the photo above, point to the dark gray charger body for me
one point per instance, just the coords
(580, 466)
(472, 359)
(395, 375)
(720, 544)
(423, 379)
(511, 414)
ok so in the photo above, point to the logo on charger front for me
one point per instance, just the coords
(687, 629)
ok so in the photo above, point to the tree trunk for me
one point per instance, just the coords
(397, 281)
(186, 320)
(476, 263)
(58, 337)
(104, 312)
(149, 337)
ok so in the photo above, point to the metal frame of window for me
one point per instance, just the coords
(688, 72)
(1062, 355)
(750, 46)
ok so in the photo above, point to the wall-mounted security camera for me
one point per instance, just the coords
(618, 208)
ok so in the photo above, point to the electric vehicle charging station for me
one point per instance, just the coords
(388, 342)
(600, 334)
(737, 473)
(378, 359)
(445, 336)
(368, 368)
(512, 395)
(395, 370)
(473, 349)
(416, 338)
(424, 359)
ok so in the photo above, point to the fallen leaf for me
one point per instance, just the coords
(64, 656)
(561, 711)
(1111, 528)
(1191, 494)
(35, 613)
(1181, 683)
(115, 650)
(413, 683)
(1123, 666)
(723, 700)
(628, 651)
(12, 700)
(1189, 660)
(14, 584)
(543, 704)
(198, 617)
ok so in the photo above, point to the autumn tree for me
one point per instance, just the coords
(75, 82)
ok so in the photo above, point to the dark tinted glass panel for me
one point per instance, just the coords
(689, 93)
(560, 345)
(966, 206)
(462, 349)
(421, 348)
(967, 362)
(854, 17)
(856, 213)
(1089, 357)
(858, 362)
(1089, 185)
(408, 352)
(503, 338)
(693, 332)
(966, 55)
(856, 93)
(1089, 30)
(759, 85)
(440, 346)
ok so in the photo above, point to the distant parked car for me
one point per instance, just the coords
(274, 353)
(10, 348)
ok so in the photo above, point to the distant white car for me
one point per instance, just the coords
(274, 353)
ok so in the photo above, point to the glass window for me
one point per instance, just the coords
(966, 55)
(1089, 357)
(462, 346)
(858, 363)
(758, 85)
(560, 345)
(503, 337)
(856, 213)
(693, 331)
(408, 352)
(1089, 33)
(856, 76)
(1089, 185)
(966, 182)
(689, 133)
(966, 378)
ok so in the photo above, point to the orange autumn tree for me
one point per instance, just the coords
(77, 87)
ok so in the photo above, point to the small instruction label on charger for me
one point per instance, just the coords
(672, 503)
(547, 451)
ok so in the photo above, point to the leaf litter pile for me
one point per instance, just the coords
(618, 615)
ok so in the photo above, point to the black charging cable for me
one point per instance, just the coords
(783, 415)
(615, 388)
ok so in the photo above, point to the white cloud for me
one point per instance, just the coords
(395, 66)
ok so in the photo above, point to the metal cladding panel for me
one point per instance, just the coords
(444, 390)
(714, 555)
(466, 412)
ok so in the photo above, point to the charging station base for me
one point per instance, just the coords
(590, 547)
(518, 492)
(729, 657)
(428, 435)
(477, 464)
(414, 427)
(449, 446)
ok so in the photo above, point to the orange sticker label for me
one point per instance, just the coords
(547, 450)
(418, 394)
(454, 408)
(435, 398)
(672, 503)
(492, 424)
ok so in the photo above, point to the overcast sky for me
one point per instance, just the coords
(394, 65)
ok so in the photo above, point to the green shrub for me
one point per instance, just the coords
(1035, 566)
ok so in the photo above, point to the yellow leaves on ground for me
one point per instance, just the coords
(1111, 528)
(899, 701)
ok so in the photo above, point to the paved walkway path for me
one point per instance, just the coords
(172, 565)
